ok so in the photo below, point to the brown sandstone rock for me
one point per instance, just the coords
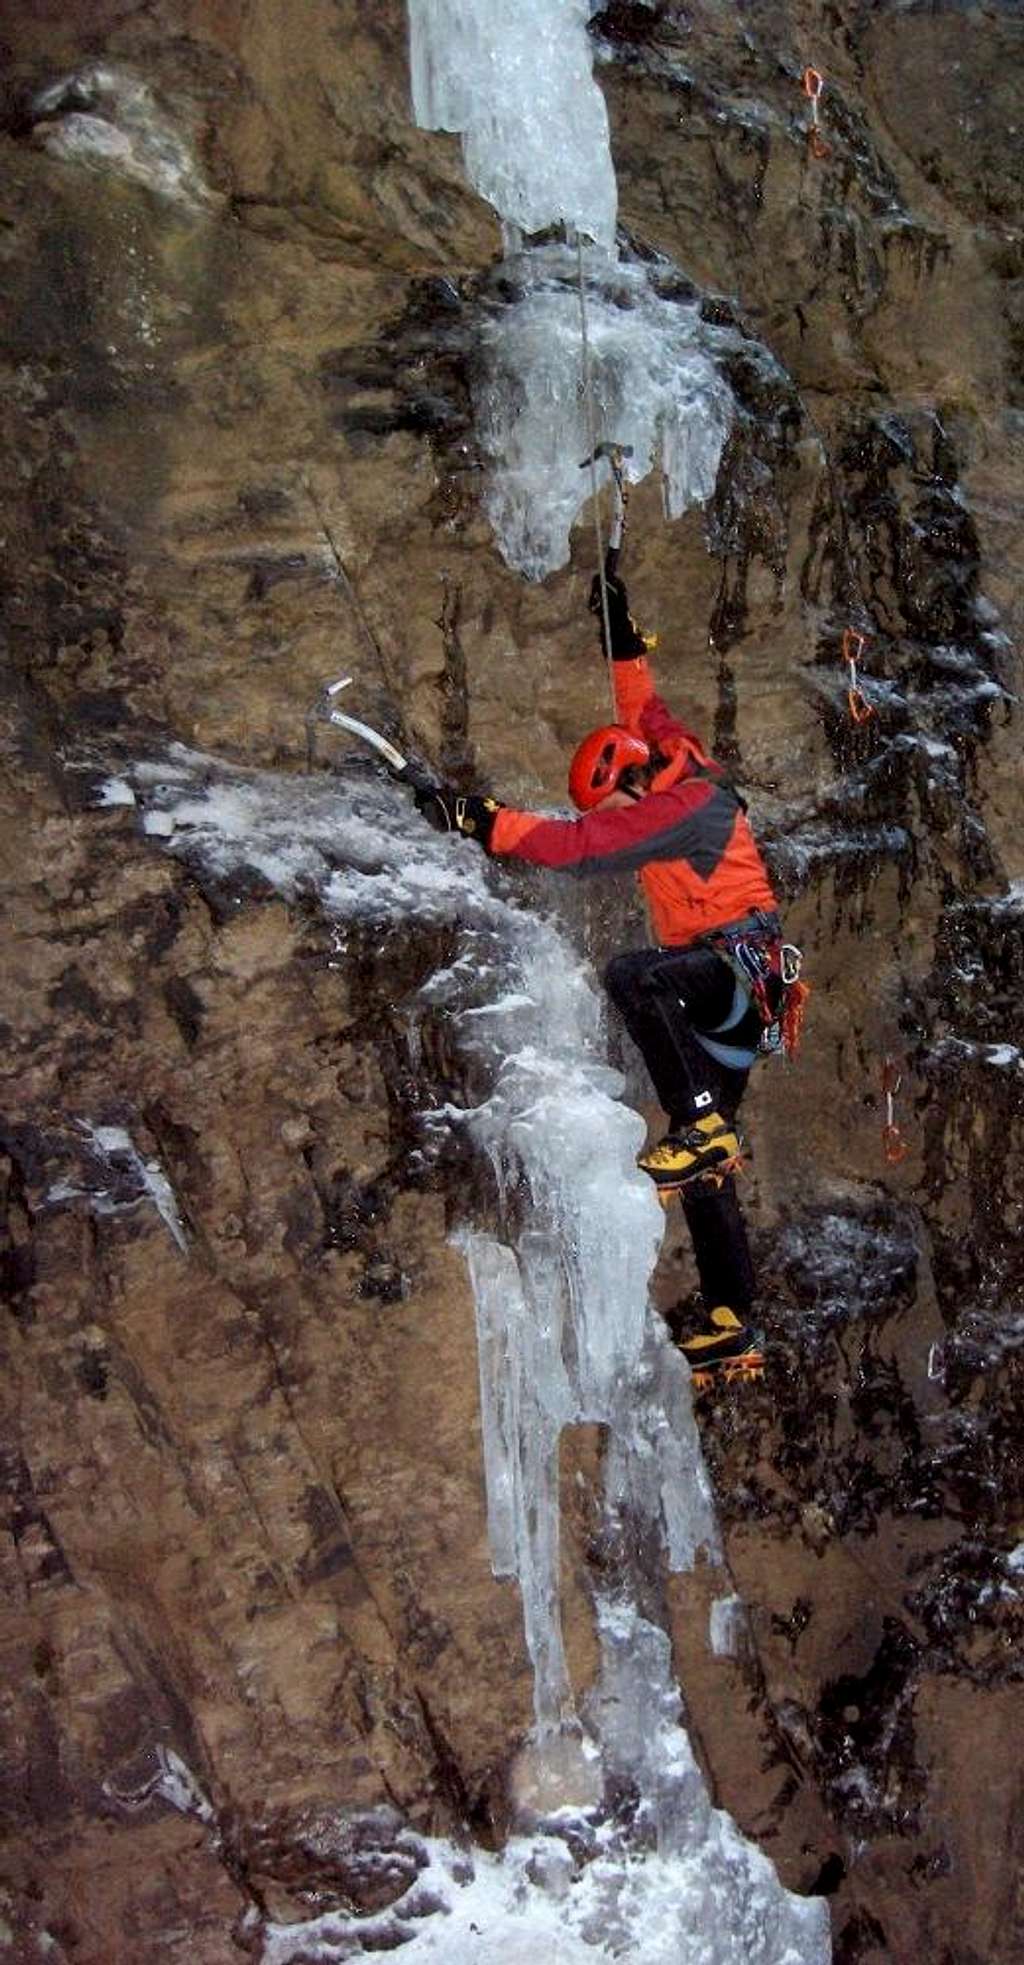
(242, 1495)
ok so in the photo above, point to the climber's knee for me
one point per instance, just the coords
(623, 978)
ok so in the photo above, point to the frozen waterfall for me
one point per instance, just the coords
(518, 83)
(565, 1329)
(566, 1332)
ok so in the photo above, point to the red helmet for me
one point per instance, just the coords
(600, 762)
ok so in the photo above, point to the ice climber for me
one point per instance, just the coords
(718, 989)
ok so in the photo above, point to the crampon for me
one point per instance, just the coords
(712, 1176)
(743, 1370)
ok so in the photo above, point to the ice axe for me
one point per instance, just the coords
(324, 711)
(616, 454)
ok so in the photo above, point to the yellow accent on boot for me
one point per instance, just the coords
(726, 1324)
(680, 1157)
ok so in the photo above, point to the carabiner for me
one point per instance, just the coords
(894, 1145)
(791, 961)
(813, 83)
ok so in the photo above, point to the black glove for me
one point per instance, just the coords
(616, 594)
(627, 641)
(418, 778)
(448, 810)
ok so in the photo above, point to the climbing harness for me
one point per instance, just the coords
(767, 970)
(813, 82)
(894, 1145)
(857, 703)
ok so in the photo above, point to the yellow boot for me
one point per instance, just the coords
(729, 1349)
(711, 1147)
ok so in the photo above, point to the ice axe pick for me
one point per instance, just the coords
(324, 711)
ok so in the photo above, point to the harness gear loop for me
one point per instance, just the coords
(768, 971)
(894, 1146)
(854, 645)
(588, 397)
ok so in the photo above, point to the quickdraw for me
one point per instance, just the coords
(894, 1145)
(857, 703)
(813, 82)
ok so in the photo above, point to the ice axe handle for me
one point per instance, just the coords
(417, 777)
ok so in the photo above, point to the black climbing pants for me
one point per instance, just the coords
(663, 996)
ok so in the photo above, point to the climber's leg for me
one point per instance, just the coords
(661, 994)
(720, 1245)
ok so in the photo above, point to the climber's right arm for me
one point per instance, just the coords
(620, 840)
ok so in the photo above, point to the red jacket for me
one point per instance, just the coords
(687, 839)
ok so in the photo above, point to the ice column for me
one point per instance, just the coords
(566, 1333)
(565, 1330)
(516, 81)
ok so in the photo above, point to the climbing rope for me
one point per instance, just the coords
(588, 398)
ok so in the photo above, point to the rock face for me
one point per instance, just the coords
(251, 1636)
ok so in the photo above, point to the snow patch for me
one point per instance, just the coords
(726, 1626)
(534, 1902)
(107, 119)
(997, 1057)
(172, 1781)
(133, 1179)
(114, 791)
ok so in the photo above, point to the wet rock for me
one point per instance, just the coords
(320, 1858)
(854, 1264)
